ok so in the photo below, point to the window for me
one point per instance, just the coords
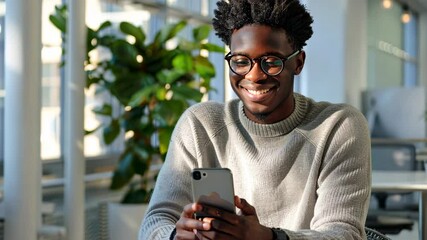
(410, 46)
(392, 46)
(150, 16)
(2, 13)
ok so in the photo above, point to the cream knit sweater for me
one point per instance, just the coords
(309, 174)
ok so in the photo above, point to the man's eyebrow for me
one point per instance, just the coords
(273, 53)
(278, 54)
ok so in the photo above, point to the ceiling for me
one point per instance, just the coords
(419, 5)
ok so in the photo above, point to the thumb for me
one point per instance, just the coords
(244, 206)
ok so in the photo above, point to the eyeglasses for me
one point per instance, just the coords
(270, 64)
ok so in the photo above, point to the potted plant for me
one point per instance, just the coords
(152, 83)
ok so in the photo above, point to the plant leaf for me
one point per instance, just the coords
(91, 80)
(141, 152)
(204, 67)
(111, 131)
(91, 42)
(167, 113)
(165, 135)
(213, 47)
(202, 32)
(106, 40)
(161, 94)
(59, 18)
(124, 172)
(169, 32)
(135, 120)
(104, 25)
(186, 93)
(124, 53)
(136, 32)
(169, 75)
(142, 95)
(140, 165)
(87, 132)
(105, 110)
(127, 83)
(136, 196)
(184, 62)
(188, 45)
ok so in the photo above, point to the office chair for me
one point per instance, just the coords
(372, 234)
(387, 217)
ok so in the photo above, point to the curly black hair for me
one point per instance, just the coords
(289, 15)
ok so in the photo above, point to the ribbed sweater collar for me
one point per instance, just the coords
(280, 128)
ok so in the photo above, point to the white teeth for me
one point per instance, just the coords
(258, 92)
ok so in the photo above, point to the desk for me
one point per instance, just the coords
(405, 181)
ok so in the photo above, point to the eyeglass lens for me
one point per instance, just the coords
(241, 64)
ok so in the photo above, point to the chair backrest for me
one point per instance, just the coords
(394, 156)
(372, 234)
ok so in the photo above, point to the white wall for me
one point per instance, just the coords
(423, 49)
(336, 62)
(356, 51)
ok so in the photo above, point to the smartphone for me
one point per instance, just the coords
(213, 187)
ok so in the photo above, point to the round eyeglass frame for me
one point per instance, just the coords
(258, 59)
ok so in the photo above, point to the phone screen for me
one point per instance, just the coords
(213, 187)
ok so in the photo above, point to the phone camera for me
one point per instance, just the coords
(197, 175)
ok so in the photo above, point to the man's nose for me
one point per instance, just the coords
(256, 73)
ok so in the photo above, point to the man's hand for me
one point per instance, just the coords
(187, 225)
(227, 225)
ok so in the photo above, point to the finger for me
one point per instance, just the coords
(198, 235)
(190, 209)
(219, 225)
(189, 224)
(237, 201)
(217, 213)
(244, 206)
(187, 235)
(213, 235)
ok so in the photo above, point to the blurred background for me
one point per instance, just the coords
(371, 54)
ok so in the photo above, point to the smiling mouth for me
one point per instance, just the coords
(256, 89)
(258, 92)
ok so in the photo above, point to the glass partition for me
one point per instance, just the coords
(392, 45)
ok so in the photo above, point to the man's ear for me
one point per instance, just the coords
(300, 60)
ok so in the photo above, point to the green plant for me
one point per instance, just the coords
(153, 85)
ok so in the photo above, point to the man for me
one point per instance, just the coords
(301, 168)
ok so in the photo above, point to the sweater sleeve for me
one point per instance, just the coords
(173, 188)
(344, 181)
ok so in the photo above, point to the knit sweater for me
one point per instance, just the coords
(309, 174)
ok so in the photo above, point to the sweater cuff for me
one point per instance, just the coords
(173, 233)
(279, 234)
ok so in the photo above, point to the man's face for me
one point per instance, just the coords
(267, 99)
